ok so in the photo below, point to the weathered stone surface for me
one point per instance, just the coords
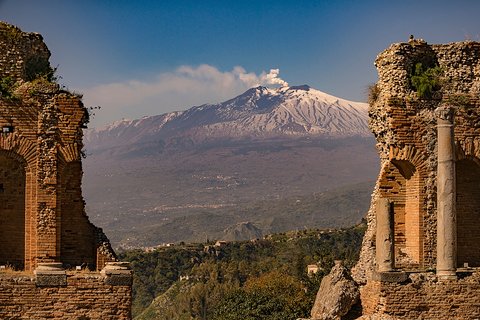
(337, 294)
(117, 274)
(21, 54)
(40, 162)
(84, 296)
(50, 275)
(406, 131)
(393, 276)
(44, 227)
(411, 148)
(423, 297)
(377, 317)
(51, 279)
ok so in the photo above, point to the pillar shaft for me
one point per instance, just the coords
(384, 237)
(446, 194)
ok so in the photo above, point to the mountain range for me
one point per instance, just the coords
(196, 174)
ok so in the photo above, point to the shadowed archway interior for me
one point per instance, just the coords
(12, 212)
(468, 212)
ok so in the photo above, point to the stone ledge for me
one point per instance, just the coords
(117, 274)
(392, 276)
(50, 274)
(54, 279)
(119, 280)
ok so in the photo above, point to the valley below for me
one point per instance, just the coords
(234, 190)
(266, 161)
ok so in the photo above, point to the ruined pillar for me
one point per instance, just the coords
(446, 213)
(384, 237)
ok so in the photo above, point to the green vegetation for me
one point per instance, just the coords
(262, 279)
(7, 88)
(426, 80)
(272, 295)
(38, 67)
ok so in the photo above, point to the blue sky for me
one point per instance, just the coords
(136, 58)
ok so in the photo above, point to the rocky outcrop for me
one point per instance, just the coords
(337, 294)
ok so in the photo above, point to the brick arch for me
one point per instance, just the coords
(19, 147)
(69, 152)
(402, 181)
(468, 210)
(411, 154)
(468, 148)
(24, 152)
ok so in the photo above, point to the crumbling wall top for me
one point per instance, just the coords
(458, 61)
(23, 55)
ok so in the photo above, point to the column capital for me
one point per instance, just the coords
(445, 112)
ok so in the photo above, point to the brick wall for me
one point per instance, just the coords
(414, 219)
(423, 297)
(42, 209)
(86, 296)
(43, 224)
(41, 174)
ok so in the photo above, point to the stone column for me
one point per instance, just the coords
(446, 194)
(384, 237)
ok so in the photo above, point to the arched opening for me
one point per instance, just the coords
(12, 212)
(468, 212)
(401, 184)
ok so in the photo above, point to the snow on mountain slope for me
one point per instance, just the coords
(259, 112)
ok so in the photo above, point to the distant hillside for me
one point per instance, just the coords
(196, 174)
(263, 279)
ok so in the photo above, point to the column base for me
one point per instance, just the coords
(447, 274)
(50, 274)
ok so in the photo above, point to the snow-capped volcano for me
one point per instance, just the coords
(196, 172)
(258, 112)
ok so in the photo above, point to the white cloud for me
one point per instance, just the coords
(185, 87)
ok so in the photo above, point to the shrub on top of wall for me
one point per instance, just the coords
(426, 80)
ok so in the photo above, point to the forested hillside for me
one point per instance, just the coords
(261, 279)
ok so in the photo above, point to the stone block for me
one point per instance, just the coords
(393, 276)
(121, 279)
(51, 279)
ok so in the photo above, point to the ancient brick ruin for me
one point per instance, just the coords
(43, 224)
(421, 254)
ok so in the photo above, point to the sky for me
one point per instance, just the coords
(148, 57)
